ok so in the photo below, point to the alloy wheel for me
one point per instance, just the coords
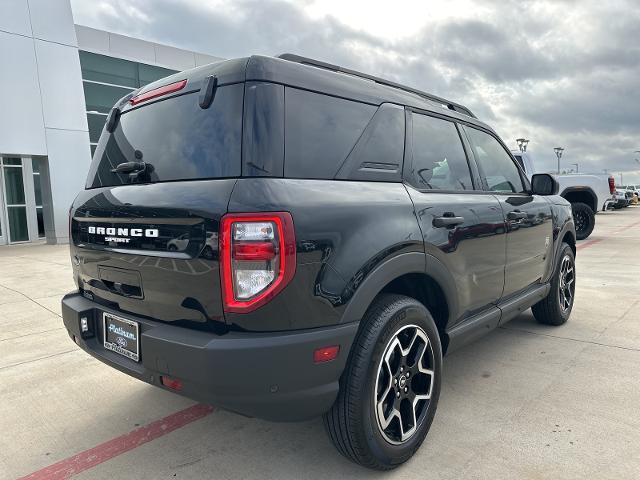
(404, 384)
(581, 221)
(566, 285)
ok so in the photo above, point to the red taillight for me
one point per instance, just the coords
(158, 92)
(254, 251)
(257, 258)
(326, 354)
(172, 383)
(612, 185)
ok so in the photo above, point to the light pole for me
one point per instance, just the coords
(621, 181)
(576, 166)
(522, 144)
(558, 151)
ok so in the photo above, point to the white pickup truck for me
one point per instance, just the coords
(587, 193)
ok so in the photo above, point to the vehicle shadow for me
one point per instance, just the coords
(483, 383)
(238, 447)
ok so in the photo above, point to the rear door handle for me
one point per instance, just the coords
(516, 215)
(447, 221)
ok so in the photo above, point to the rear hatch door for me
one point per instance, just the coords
(145, 239)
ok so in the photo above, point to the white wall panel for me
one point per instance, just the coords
(61, 86)
(14, 17)
(21, 126)
(202, 59)
(69, 158)
(92, 39)
(174, 57)
(52, 21)
(131, 48)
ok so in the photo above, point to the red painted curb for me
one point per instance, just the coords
(588, 243)
(112, 448)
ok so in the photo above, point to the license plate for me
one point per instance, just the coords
(121, 336)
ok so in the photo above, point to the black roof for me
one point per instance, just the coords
(314, 75)
(338, 69)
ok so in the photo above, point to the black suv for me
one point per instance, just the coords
(286, 238)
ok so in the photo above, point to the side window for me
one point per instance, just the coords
(377, 156)
(496, 166)
(320, 131)
(439, 161)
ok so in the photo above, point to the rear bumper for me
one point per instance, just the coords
(265, 375)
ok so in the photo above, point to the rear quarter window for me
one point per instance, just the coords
(320, 131)
(177, 140)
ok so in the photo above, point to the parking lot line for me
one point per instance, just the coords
(117, 446)
(589, 243)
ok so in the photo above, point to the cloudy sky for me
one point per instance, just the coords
(559, 72)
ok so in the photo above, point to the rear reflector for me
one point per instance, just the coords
(326, 354)
(172, 383)
(158, 92)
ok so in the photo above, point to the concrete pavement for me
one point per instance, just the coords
(526, 401)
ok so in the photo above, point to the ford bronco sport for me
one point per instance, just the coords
(287, 238)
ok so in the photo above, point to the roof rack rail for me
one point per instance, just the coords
(456, 107)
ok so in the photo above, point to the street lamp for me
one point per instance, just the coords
(558, 151)
(576, 166)
(522, 144)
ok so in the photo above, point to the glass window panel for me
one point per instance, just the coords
(40, 222)
(149, 73)
(105, 69)
(18, 224)
(93, 149)
(14, 186)
(320, 132)
(96, 122)
(102, 98)
(178, 140)
(37, 188)
(439, 161)
(12, 161)
(35, 165)
(500, 173)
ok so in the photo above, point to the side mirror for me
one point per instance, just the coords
(544, 184)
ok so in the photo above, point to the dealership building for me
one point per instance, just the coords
(59, 81)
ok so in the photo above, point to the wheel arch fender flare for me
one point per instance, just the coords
(567, 228)
(583, 189)
(395, 267)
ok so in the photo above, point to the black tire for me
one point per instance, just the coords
(352, 423)
(172, 248)
(550, 311)
(584, 219)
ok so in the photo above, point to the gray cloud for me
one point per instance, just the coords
(558, 72)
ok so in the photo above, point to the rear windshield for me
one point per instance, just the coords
(176, 139)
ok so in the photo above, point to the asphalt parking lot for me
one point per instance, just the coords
(526, 401)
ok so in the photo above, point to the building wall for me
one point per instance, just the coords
(42, 97)
(51, 104)
(141, 51)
